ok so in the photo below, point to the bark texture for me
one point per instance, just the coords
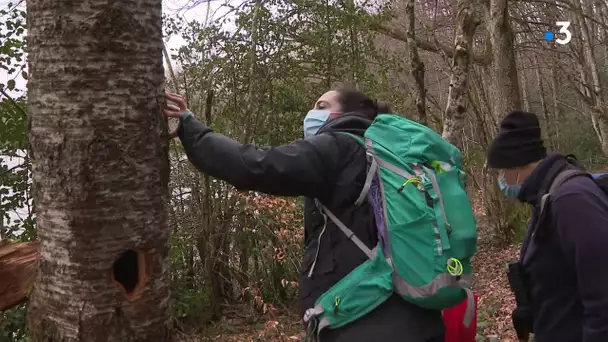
(453, 125)
(599, 108)
(505, 85)
(99, 149)
(540, 86)
(415, 62)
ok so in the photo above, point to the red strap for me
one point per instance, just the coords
(455, 331)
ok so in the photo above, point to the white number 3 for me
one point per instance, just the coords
(564, 29)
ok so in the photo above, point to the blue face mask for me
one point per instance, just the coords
(314, 120)
(509, 190)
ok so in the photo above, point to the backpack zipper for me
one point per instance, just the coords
(438, 239)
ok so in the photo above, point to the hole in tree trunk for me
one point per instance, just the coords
(129, 273)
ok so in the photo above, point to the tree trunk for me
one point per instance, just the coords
(505, 97)
(602, 13)
(552, 15)
(467, 23)
(557, 117)
(99, 149)
(525, 93)
(415, 62)
(543, 103)
(505, 86)
(599, 115)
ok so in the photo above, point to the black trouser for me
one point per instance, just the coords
(393, 321)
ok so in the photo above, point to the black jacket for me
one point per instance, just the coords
(332, 168)
(566, 259)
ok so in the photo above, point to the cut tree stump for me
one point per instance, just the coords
(18, 265)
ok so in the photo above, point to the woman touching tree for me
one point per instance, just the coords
(332, 168)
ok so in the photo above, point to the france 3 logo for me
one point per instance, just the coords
(563, 29)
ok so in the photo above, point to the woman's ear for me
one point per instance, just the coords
(333, 115)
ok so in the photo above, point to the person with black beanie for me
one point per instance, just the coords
(560, 280)
(518, 143)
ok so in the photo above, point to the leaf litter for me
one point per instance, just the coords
(495, 304)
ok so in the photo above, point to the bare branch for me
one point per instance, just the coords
(426, 45)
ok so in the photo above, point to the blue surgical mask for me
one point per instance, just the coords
(509, 190)
(314, 120)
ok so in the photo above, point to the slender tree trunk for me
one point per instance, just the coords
(543, 103)
(551, 13)
(557, 116)
(505, 86)
(602, 14)
(453, 125)
(598, 110)
(252, 108)
(525, 93)
(504, 97)
(415, 62)
(99, 149)
(523, 80)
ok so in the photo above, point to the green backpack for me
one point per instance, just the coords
(426, 227)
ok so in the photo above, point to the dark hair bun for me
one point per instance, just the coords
(354, 101)
(382, 107)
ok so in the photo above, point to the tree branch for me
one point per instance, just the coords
(426, 45)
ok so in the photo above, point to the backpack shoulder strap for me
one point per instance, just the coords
(372, 166)
(354, 136)
(562, 170)
(601, 180)
(562, 177)
(371, 253)
(555, 169)
(372, 170)
(558, 181)
(557, 175)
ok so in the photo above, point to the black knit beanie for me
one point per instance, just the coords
(518, 142)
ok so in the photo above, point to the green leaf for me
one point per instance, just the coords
(10, 84)
(24, 75)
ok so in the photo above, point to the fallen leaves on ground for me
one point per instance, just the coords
(494, 311)
(495, 300)
(240, 323)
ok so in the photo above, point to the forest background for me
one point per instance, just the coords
(252, 69)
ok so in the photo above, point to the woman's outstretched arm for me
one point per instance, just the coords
(304, 168)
